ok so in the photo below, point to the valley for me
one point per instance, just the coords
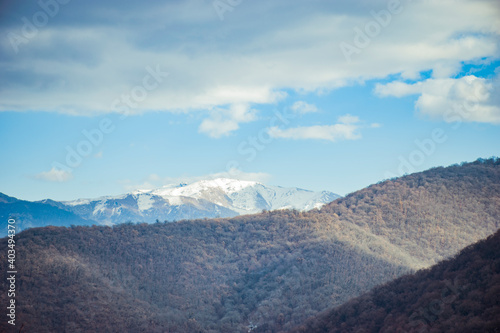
(269, 271)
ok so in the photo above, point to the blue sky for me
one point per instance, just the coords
(100, 98)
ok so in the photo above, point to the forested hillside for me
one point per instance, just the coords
(459, 295)
(271, 270)
(216, 276)
(431, 214)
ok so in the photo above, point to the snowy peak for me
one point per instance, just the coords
(255, 199)
(225, 185)
(221, 197)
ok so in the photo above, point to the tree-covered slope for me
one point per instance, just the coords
(458, 295)
(215, 276)
(271, 270)
(432, 214)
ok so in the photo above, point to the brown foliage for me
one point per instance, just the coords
(272, 270)
(457, 295)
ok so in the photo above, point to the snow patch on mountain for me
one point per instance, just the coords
(197, 189)
(222, 197)
(77, 202)
(144, 202)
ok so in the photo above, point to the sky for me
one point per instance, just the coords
(105, 97)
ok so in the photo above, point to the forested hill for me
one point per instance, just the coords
(271, 270)
(431, 214)
(458, 295)
(193, 276)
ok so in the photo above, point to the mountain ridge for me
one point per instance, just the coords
(273, 269)
(428, 205)
(211, 198)
(30, 214)
(221, 197)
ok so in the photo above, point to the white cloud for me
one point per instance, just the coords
(303, 107)
(410, 75)
(346, 129)
(239, 61)
(445, 69)
(397, 89)
(348, 119)
(469, 98)
(224, 121)
(55, 175)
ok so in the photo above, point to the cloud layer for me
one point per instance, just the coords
(224, 121)
(302, 107)
(111, 56)
(468, 99)
(346, 129)
(55, 175)
(88, 55)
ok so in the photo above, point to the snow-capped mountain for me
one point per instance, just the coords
(30, 214)
(220, 197)
(204, 199)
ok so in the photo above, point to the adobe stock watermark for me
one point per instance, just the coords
(363, 37)
(458, 114)
(417, 157)
(223, 6)
(422, 319)
(94, 137)
(30, 29)
(249, 148)
(11, 271)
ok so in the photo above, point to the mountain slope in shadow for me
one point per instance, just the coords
(461, 294)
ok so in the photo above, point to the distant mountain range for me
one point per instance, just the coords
(269, 272)
(36, 214)
(220, 197)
